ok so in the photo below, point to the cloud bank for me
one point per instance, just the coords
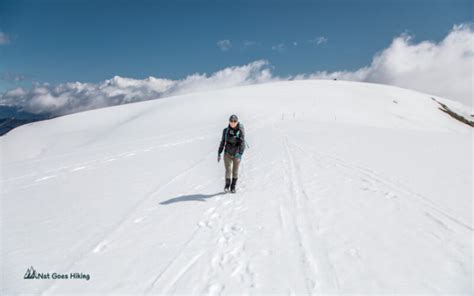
(443, 69)
(73, 97)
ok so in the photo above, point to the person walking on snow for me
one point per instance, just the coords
(233, 145)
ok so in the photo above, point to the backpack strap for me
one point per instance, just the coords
(241, 126)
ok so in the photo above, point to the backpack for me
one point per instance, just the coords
(237, 135)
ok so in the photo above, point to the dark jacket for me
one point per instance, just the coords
(233, 140)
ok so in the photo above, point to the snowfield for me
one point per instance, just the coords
(345, 188)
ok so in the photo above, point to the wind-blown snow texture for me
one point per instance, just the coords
(346, 188)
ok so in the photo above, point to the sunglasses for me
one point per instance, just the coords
(233, 120)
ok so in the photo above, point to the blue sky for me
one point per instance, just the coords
(89, 41)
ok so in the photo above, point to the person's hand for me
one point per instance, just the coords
(238, 155)
(218, 157)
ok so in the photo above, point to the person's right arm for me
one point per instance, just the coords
(222, 144)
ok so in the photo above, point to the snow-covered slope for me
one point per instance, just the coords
(346, 188)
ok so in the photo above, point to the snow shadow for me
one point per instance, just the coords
(191, 197)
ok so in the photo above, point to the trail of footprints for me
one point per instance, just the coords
(228, 262)
(94, 163)
(86, 165)
(225, 249)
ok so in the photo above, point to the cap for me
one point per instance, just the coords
(233, 117)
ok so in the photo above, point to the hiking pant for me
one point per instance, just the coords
(231, 166)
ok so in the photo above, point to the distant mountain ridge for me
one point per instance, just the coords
(12, 117)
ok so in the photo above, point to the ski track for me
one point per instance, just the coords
(102, 242)
(183, 270)
(394, 193)
(330, 273)
(308, 262)
(107, 147)
(320, 273)
(391, 186)
(97, 162)
(116, 156)
(170, 264)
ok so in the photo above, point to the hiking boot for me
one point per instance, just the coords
(232, 185)
(227, 185)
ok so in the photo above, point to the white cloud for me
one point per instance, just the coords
(73, 97)
(444, 69)
(4, 38)
(224, 45)
(318, 40)
(249, 43)
(279, 47)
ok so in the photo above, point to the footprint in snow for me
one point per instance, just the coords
(138, 220)
(210, 210)
(45, 178)
(207, 224)
(353, 252)
(369, 188)
(100, 247)
(78, 169)
(215, 289)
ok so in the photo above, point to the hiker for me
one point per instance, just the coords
(233, 145)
